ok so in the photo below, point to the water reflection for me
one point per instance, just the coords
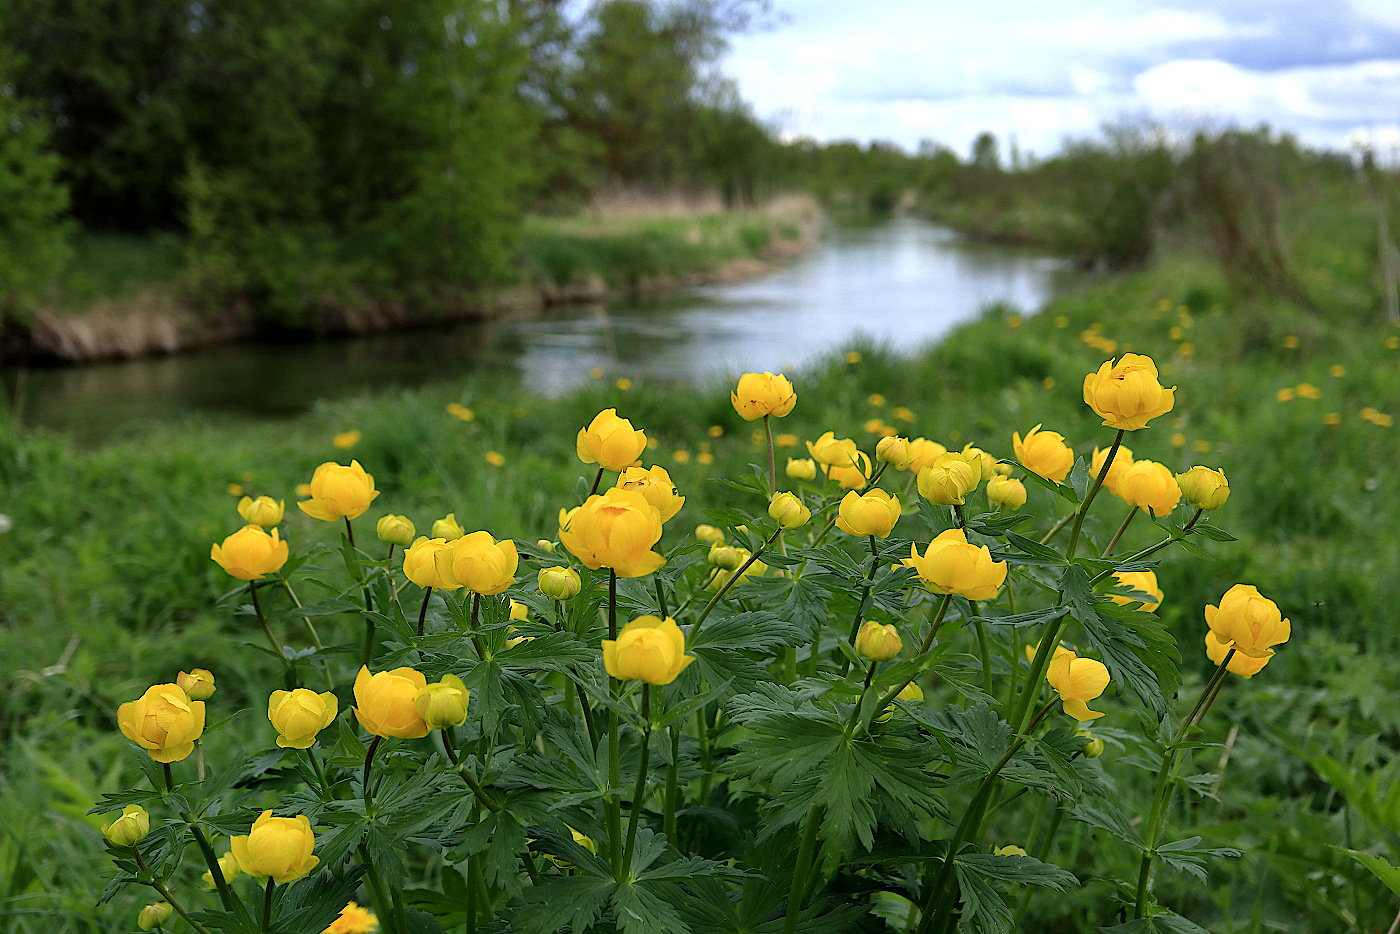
(905, 283)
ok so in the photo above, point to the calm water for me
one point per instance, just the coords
(905, 283)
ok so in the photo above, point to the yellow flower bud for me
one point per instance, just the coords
(948, 480)
(911, 692)
(615, 530)
(1127, 394)
(264, 511)
(484, 565)
(299, 715)
(447, 528)
(760, 394)
(163, 721)
(279, 847)
(428, 563)
(395, 530)
(655, 484)
(647, 649)
(228, 868)
(1006, 492)
(709, 534)
(801, 468)
(559, 583)
(951, 564)
(384, 703)
(985, 463)
(338, 492)
(727, 556)
(443, 703)
(1077, 681)
(130, 828)
(153, 915)
(787, 510)
(878, 643)
(1240, 663)
(1144, 581)
(545, 545)
(923, 452)
(197, 684)
(250, 553)
(894, 451)
(610, 442)
(1149, 485)
(1093, 746)
(1248, 621)
(874, 513)
(1043, 453)
(1204, 488)
(1121, 462)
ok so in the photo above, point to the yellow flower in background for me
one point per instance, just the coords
(1393, 342)
(495, 458)
(1121, 462)
(1178, 440)
(447, 528)
(948, 480)
(197, 684)
(1332, 419)
(1308, 391)
(1375, 417)
(163, 721)
(353, 920)
(443, 703)
(801, 468)
(428, 563)
(384, 703)
(877, 426)
(985, 463)
(832, 451)
(235, 489)
(279, 847)
(303, 489)
(152, 916)
(851, 478)
(250, 553)
(1249, 621)
(787, 510)
(610, 442)
(615, 530)
(1127, 394)
(853, 357)
(647, 649)
(519, 611)
(951, 564)
(559, 583)
(715, 431)
(1032, 649)
(1240, 664)
(1204, 488)
(709, 534)
(923, 452)
(785, 441)
(1077, 681)
(130, 828)
(878, 643)
(264, 511)
(338, 492)
(484, 565)
(1284, 395)
(1150, 485)
(873, 513)
(1337, 371)
(1006, 492)
(894, 451)
(654, 483)
(457, 410)
(903, 414)
(1143, 581)
(300, 714)
(347, 439)
(1291, 341)
(727, 556)
(876, 399)
(596, 372)
(623, 383)
(760, 394)
(395, 530)
(228, 868)
(1044, 453)
(681, 457)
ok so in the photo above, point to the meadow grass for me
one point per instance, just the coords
(106, 584)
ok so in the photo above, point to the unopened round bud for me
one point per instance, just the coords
(787, 510)
(130, 828)
(395, 530)
(1093, 746)
(153, 915)
(560, 583)
(197, 684)
(447, 528)
(877, 642)
(709, 534)
(727, 556)
(894, 451)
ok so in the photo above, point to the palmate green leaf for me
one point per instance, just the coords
(1190, 857)
(1024, 869)
(1059, 489)
(978, 737)
(553, 651)
(1164, 922)
(983, 907)
(1030, 551)
(1109, 817)
(994, 525)
(572, 903)
(1024, 620)
(313, 904)
(1137, 648)
(756, 631)
(645, 908)
(786, 746)
(804, 597)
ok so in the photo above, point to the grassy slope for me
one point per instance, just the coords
(106, 585)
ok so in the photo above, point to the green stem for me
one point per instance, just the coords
(267, 904)
(802, 868)
(937, 622)
(639, 793)
(262, 621)
(320, 772)
(772, 462)
(597, 479)
(1083, 509)
(212, 861)
(364, 774)
(864, 596)
(1153, 549)
(165, 894)
(1055, 530)
(865, 689)
(306, 620)
(423, 610)
(368, 652)
(382, 905)
(668, 822)
(724, 588)
(1112, 542)
(614, 803)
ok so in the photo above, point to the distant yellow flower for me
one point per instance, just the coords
(704, 457)
(235, 489)
(1186, 349)
(457, 410)
(1127, 394)
(623, 383)
(1308, 391)
(1006, 492)
(1332, 418)
(853, 357)
(1200, 446)
(495, 458)
(596, 372)
(876, 399)
(715, 431)
(1009, 850)
(1178, 440)
(1291, 341)
(903, 414)
(874, 426)
(1376, 417)
(1077, 681)
(1284, 395)
(801, 468)
(1393, 342)
(1337, 371)
(1061, 321)
(347, 439)
(681, 457)
(785, 441)
(1014, 321)
(1176, 333)
(353, 920)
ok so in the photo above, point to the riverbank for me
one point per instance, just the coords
(620, 246)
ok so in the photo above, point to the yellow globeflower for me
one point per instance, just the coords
(655, 484)
(1077, 681)
(163, 721)
(228, 868)
(197, 684)
(395, 530)
(760, 394)
(948, 480)
(1150, 485)
(985, 463)
(279, 847)
(832, 451)
(647, 649)
(873, 513)
(787, 510)
(443, 703)
(1044, 453)
(559, 583)
(264, 511)
(851, 478)
(1249, 621)
(1004, 491)
(338, 492)
(615, 530)
(1204, 488)
(1240, 664)
(384, 703)
(1127, 394)
(951, 564)
(877, 642)
(1142, 581)
(894, 451)
(801, 468)
(130, 828)
(484, 565)
(447, 528)
(300, 714)
(250, 553)
(353, 920)
(709, 534)
(428, 563)
(1121, 462)
(610, 442)
(922, 453)
(347, 439)
(152, 916)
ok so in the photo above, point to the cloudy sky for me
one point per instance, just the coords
(1044, 70)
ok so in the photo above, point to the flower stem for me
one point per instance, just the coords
(936, 623)
(368, 651)
(724, 589)
(639, 793)
(364, 774)
(597, 479)
(772, 463)
(1119, 534)
(383, 907)
(423, 610)
(165, 894)
(668, 821)
(262, 621)
(805, 853)
(864, 596)
(614, 803)
(267, 904)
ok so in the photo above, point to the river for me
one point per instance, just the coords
(905, 283)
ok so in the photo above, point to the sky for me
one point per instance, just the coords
(1042, 71)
